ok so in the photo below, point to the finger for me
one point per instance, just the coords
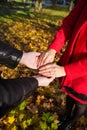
(41, 60)
(51, 78)
(47, 73)
(38, 54)
(46, 67)
(45, 70)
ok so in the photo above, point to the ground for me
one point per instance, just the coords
(27, 30)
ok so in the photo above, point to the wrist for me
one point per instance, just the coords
(23, 58)
(52, 51)
(36, 77)
(63, 71)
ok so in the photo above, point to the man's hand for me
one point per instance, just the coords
(30, 59)
(46, 57)
(43, 81)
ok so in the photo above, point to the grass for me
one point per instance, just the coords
(9, 14)
(56, 13)
(28, 30)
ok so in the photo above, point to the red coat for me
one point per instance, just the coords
(74, 59)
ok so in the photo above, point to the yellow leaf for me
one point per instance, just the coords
(21, 116)
(14, 128)
(11, 119)
(24, 124)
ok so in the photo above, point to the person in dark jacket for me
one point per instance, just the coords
(14, 91)
(71, 69)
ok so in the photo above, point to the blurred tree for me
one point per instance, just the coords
(71, 5)
(38, 5)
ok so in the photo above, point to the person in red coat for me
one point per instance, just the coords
(72, 66)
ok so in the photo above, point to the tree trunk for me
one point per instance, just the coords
(71, 5)
(38, 5)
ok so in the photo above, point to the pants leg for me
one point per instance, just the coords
(74, 110)
(68, 111)
(70, 102)
(78, 110)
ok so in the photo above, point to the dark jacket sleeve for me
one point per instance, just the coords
(14, 91)
(9, 56)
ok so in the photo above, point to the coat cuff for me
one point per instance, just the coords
(9, 56)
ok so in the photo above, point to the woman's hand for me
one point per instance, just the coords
(43, 81)
(46, 57)
(30, 59)
(52, 70)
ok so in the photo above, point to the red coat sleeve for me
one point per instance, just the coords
(65, 30)
(74, 72)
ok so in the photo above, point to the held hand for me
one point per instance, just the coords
(46, 57)
(30, 59)
(51, 70)
(43, 81)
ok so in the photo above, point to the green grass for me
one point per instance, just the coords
(7, 14)
(57, 11)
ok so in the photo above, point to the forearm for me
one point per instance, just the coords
(64, 33)
(14, 91)
(9, 56)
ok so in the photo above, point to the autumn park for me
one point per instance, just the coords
(30, 26)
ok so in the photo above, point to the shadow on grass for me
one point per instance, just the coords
(17, 12)
(58, 8)
(23, 15)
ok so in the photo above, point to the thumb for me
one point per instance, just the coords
(37, 53)
(51, 78)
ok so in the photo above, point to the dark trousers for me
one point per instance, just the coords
(74, 109)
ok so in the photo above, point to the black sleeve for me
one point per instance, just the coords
(9, 56)
(14, 91)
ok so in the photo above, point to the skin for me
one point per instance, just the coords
(46, 57)
(30, 60)
(52, 70)
(47, 67)
(43, 81)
